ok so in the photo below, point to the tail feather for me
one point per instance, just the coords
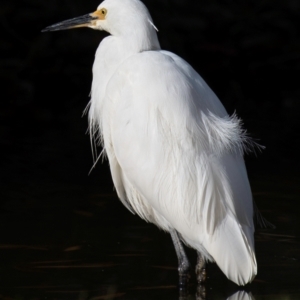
(232, 247)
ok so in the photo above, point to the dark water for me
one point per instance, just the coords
(64, 234)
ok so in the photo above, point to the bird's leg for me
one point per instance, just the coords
(201, 292)
(183, 263)
(200, 268)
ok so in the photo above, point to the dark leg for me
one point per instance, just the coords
(201, 292)
(183, 263)
(200, 269)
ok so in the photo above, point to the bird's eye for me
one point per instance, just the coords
(100, 13)
(103, 12)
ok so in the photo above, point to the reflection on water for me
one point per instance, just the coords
(241, 295)
(201, 295)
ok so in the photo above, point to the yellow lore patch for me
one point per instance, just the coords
(100, 14)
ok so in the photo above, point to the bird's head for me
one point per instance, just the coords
(117, 17)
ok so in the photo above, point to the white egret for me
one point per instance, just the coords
(176, 156)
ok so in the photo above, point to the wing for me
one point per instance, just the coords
(161, 118)
(180, 156)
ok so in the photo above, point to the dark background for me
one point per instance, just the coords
(248, 52)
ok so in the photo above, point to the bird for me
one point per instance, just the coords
(176, 156)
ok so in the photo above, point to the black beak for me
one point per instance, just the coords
(83, 21)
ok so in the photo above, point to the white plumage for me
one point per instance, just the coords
(176, 156)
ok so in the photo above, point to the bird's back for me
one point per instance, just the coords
(177, 158)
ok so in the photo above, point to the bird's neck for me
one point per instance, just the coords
(111, 53)
(113, 50)
(140, 41)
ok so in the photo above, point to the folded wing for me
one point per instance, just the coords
(177, 158)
